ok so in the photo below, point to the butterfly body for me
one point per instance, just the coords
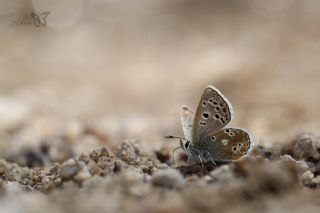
(206, 134)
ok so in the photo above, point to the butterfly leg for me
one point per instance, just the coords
(192, 159)
(212, 159)
(174, 163)
(200, 160)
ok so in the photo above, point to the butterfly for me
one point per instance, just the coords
(206, 137)
(41, 19)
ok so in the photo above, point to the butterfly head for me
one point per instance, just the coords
(185, 145)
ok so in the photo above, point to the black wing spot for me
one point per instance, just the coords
(227, 130)
(222, 120)
(205, 115)
(213, 138)
(224, 110)
(217, 116)
(202, 123)
(204, 103)
(234, 148)
(217, 108)
(215, 103)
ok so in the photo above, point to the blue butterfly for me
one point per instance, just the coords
(206, 137)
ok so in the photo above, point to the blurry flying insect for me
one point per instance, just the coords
(40, 19)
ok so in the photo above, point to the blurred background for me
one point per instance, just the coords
(122, 69)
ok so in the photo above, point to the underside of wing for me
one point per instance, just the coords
(229, 144)
(187, 117)
(214, 112)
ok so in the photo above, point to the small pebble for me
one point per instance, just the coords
(128, 153)
(304, 146)
(168, 178)
(69, 169)
(164, 154)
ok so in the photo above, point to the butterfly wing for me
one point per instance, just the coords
(213, 113)
(187, 117)
(36, 19)
(43, 18)
(229, 144)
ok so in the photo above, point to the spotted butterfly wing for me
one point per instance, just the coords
(36, 19)
(213, 113)
(43, 18)
(187, 117)
(228, 144)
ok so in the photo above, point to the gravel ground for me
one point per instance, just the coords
(130, 179)
(85, 103)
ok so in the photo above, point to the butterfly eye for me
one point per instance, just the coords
(187, 144)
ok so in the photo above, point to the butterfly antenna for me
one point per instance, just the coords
(174, 163)
(174, 137)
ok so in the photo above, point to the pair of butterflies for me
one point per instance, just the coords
(40, 19)
(206, 136)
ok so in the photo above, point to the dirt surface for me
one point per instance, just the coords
(129, 179)
(86, 102)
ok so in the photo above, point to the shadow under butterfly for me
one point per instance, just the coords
(40, 19)
(206, 137)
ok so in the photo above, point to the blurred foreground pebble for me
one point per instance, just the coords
(128, 179)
